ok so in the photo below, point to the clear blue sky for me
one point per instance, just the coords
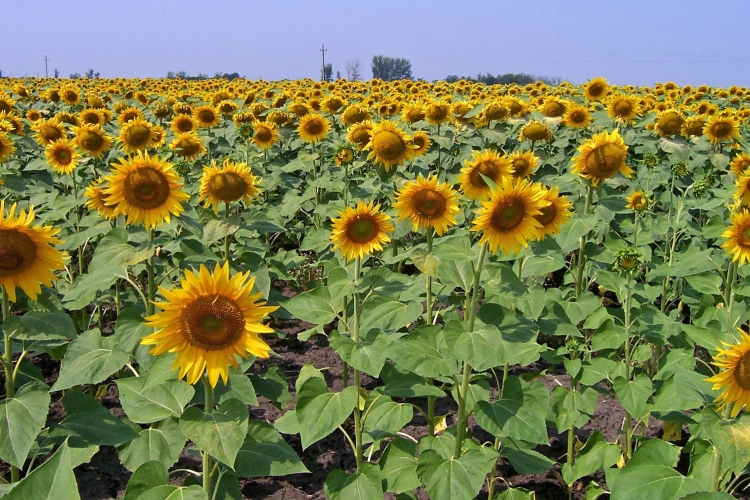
(628, 42)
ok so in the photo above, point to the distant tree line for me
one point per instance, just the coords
(391, 68)
(202, 76)
(507, 78)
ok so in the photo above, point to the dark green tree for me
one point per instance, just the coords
(391, 68)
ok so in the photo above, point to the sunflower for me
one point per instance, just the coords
(735, 363)
(209, 321)
(345, 154)
(157, 137)
(669, 122)
(91, 116)
(6, 147)
(135, 135)
(360, 231)
(98, 199)
(427, 204)
(553, 107)
(62, 156)
(233, 182)
(524, 163)
(206, 116)
(412, 113)
(14, 122)
(738, 237)
(6, 102)
(389, 145)
(27, 257)
(508, 220)
(188, 145)
(127, 114)
(359, 134)
(622, 107)
(596, 89)
(420, 142)
(496, 111)
(721, 129)
(602, 157)
(637, 201)
(693, 127)
(313, 127)
(33, 115)
(265, 134)
(183, 123)
(47, 131)
(555, 214)
(577, 117)
(92, 139)
(300, 109)
(535, 131)
(146, 190)
(485, 163)
(70, 94)
(437, 112)
(739, 164)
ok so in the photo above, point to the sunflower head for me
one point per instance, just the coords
(693, 127)
(62, 156)
(535, 131)
(420, 143)
(47, 131)
(628, 260)
(486, 163)
(721, 129)
(206, 116)
(555, 214)
(345, 154)
(208, 321)
(6, 147)
(358, 232)
(596, 89)
(437, 112)
(669, 122)
(135, 135)
(92, 139)
(576, 117)
(183, 123)
(27, 254)
(232, 182)
(313, 127)
(188, 145)
(389, 145)
(623, 107)
(524, 163)
(265, 134)
(740, 164)
(146, 190)
(638, 201)
(737, 236)
(734, 378)
(427, 204)
(359, 134)
(98, 200)
(601, 158)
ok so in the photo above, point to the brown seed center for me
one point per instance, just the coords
(605, 160)
(429, 204)
(388, 145)
(17, 252)
(146, 188)
(742, 371)
(227, 186)
(213, 322)
(506, 218)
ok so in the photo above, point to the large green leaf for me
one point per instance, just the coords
(147, 476)
(387, 315)
(424, 352)
(88, 423)
(482, 349)
(162, 443)
(314, 306)
(145, 400)
(649, 481)
(524, 459)
(37, 325)
(90, 359)
(52, 480)
(273, 386)
(634, 394)
(21, 419)
(385, 416)
(519, 414)
(596, 454)
(399, 466)
(114, 251)
(219, 433)
(400, 383)
(454, 479)
(265, 453)
(364, 485)
(731, 437)
(169, 492)
(320, 412)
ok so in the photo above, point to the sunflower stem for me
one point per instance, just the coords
(355, 338)
(345, 323)
(438, 152)
(226, 238)
(78, 223)
(428, 321)
(628, 420)
(207, 463)
(151, 277)
(470, 314)
(582, 244)
(10, 379)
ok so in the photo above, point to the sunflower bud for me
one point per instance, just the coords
(701, 187)
(680, 169)
(246, 130)
(182, 168)
(628, 260)
(344, 154)
(651, 160)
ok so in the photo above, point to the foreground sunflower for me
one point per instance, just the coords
(206, 116)
(735, 363)
(524, 163)
(233, 182)
(535, 131)
(98, 199)
(508, 220)
(265, 134)
(427, 204)
(740, 164)
(738, 237)
(313, 127)
(27, 257)
(638, 201)
(359, 134)
(721, 129)
(135, 135)
(358, 232)
(555, 214)
(62, 156)
(596, 89)
(601, 158)
(209, 321)
(6, 147)
(146, 190)
(487, 163)
(389, 145)
(576, 117)
(47, 131)
(92, 139)
(188, 145)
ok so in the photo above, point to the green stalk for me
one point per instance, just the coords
(628, 421)
(10, 379)
(207, 462)
(345, 315)
(430, 399)
(355, 338)
(151, 277)
(226, 238)
(78, 224)
(582, 244)
(463, 390)
(346, 185)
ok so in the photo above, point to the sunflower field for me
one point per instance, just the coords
(247, 289)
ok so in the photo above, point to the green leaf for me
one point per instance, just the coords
(399, 466)
(655, 452)
(150, 445)
(219, 433)
(454, 479)
(732, 438)
(524, 459)
(364, 485)
(320, 412)
(90, 359)
(634, 394)
(649, 481)
(273, 386)
(314, 306)
(114, 251)
(130, 329)
(596, 454)
(265, 453)
(147, 476)
(367, 355)
(382, 313)
(404, 384)
(708, 495)
(89, 423)
(37, 325)
(424, 352)
(596, 370)
(519, 414)
(146, 401)
(52, 480)
(482, 349)
(169, 492)
(386, 417)
(216, 229)
(240, 387)
(21, 419)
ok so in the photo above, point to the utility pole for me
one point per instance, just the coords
(45, 67)
(323, 70)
